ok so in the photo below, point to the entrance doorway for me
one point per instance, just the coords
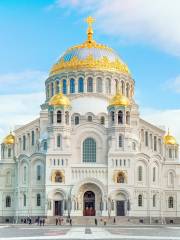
(120, 211)
(58, 208)
(89, 204)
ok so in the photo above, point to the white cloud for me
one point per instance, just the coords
(155, 22)
(173, 84)
(27, 81)
(18, 109)
(164, 118)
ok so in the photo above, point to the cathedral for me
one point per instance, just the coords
(89, 153)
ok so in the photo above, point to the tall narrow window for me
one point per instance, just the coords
(59, 116)
(89, 150)
(8, 201)
(64, 86)
(52, 89)
(24, 200)
(67, 118)
(51, 117)
(38, 200)
(108, 85)
(24, 143)
(9, 152)
(38, 172)
(155, 143)
(140, 173)
(112, 116)
(72, 85)
(45, 145)
(89, 118)
(170, 153)
(154, 174)
(76, 120)
(171, 178)
(159, 145)
(102, 120)
(140, 200)
(57, 87)
(99, 85)
(127, 90)
(59, 141)
(81, 85)
(122, 88)
(170, 202)
(128, 118)
(120, 141)
(25, 174)
(48, 92)
(32, 138)
(151, 141)
(154, 200)
(89, 84)
(120, 117)
(146, 139)
(8, 178)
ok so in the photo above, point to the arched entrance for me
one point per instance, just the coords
(58, 204)
(89, 204)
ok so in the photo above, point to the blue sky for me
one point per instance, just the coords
(35, 33)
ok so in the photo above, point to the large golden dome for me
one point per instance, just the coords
(60, 100)
(9, 139)
(119, 100)
(90, 55)
(169, 140)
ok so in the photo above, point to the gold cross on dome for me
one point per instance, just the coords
(90, 20)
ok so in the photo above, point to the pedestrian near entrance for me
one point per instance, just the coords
(104, 222)
(95, 221)
(70, 221)
(114, 220)
(56, 221)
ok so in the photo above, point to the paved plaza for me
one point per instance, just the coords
(20, 232)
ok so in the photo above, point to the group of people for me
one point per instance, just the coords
(60, 221)
(39, 221)
(103, 221)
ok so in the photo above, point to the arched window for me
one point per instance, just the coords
(171, 178)
(134, 146)
(59, 116)
(8, 201)
(122, 87)
(57, 86)
(154, 200)
(24, 200)
(8, 178)
(120, 117)
(99, 85)
(170, 153)
(146, 139)
(102, 120)
(142, 135)
(154, 174)
(120, 141)
(128, 117)
(140, 200)
(59, 141)
(112, 116)
(116, 85)
(151, 141)
(76, 120)
(58, 177)
(89, 84)
(9, 152)
(48, 92)
(32, 138)
(159, 145)
(24, 142)
(81, 85)
(45, 145)
(67, 117)
(72, 85)
(170, 202)
(52, 89)
(120, 178)
(89, 118)
(89, 150)
(108, 85)
(51, 117)
(38, 200)
(127, 90)
(140, 173)
(25, 174)
(38, 170)
(155, 143)
(64, 86)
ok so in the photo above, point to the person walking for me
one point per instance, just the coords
(114, 220)
(95, 221)
(43, 221)
(56, 221)
(70, 221)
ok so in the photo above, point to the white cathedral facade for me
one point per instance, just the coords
(89, 153)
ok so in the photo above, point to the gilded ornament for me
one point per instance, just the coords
(9, 139)
(169, 140)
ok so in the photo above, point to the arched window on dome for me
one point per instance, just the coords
(112, 116)
(59, 116)
(102, 120)
(67, 117)
(108, 85)
(81, 85)
(48, 91)
(57, 86)
(122, 87)
(127, 90)
(140, 200)
(64, 86)
(89, 118)
(99, 85)
(76, 120)
(128, 118)
(52, 89)
(72, 85)
(8, 201)
(51, 117)
(170, 202)
(116, 85)
(89, 150)
(89, 84)
(120, 117)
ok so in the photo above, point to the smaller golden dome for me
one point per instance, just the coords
(9, 139)
(169, 140)
(60, 100)
(119, 100)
